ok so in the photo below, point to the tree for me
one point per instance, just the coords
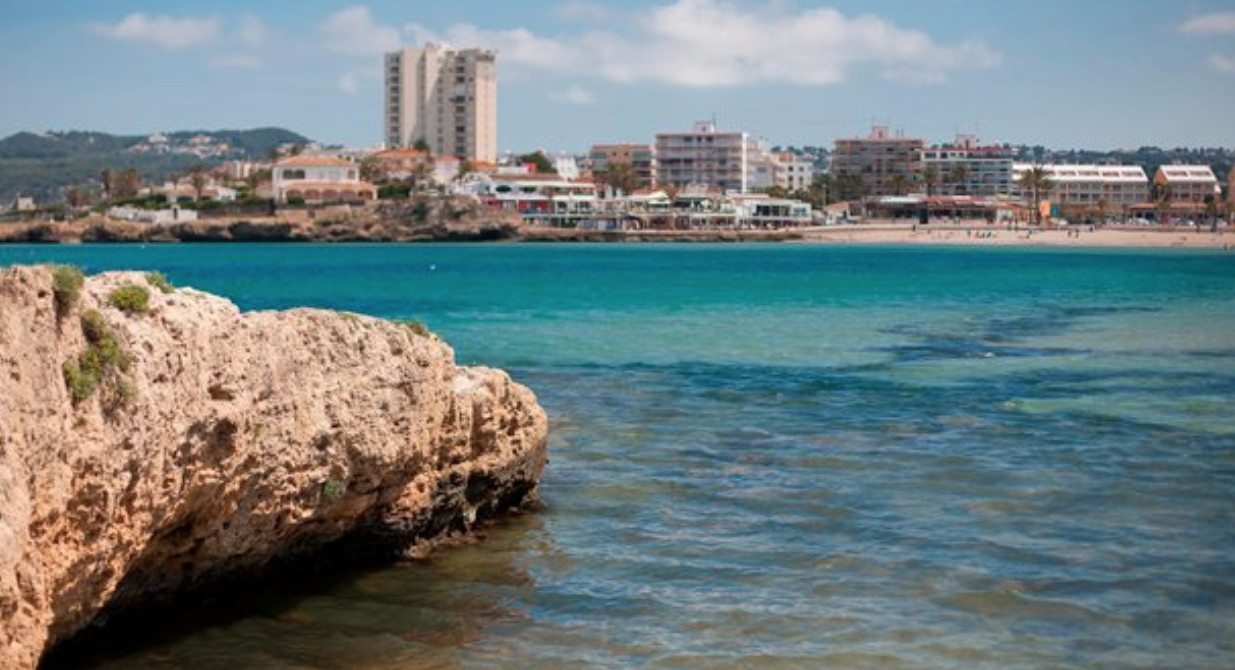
(899, 184)
(198, 179)
(958, 176)
(620, 177)
(108, 177)
(369, 169)
(539, 161)
(422, 145)
(1162, 202)
(930, 179)
(1211, 212)
(127, 183)
(1036, 181)
(817, 193)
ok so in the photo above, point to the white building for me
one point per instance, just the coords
(1116, 187)
(794, 173)
(704, 157)
(446, 98)
(966, 167)
(319, 179)
(546, 200)
(1187, 183)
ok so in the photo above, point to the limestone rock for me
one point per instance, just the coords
(220, 442)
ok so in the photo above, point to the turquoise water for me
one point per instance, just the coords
(787, 457)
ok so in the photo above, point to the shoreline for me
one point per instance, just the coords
(969, 234)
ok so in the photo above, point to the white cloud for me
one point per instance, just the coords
(252, 30)
(235, 61)
(170, 32)
(353, 32)
(349, 83)
(1218, 23)
(575, 95)
(714, 43)
(1223, 64)
(580, 10)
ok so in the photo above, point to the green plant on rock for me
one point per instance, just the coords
(131, 299)
(66, 283)
(103, 363)
(417, 327)
(157, 280)
(332, 490)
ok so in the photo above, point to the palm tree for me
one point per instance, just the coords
(930, 179)
(198, 178)
(1162, 202)
(1037, 181)
(958, 176)
(899, 184)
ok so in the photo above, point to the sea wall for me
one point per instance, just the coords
(149, 452)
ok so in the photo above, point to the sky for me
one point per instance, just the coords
(1100, 74)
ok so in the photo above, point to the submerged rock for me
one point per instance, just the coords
(149, 452)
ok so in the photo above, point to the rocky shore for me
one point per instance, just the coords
(418, 220)
(156, 443)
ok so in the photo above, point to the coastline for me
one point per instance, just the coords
(476, 229)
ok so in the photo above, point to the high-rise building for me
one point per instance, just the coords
(704, 157)
(967, 167)
(882, 162)
(446, 98)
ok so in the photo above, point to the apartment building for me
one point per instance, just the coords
(880, 160)
(640, 157)
(704, 157)
(1230, 190)
(1187, 183)
(966, 167)
(445, 97)
(793, 172)
(1113, 187)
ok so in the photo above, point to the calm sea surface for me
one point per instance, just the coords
(787, 457)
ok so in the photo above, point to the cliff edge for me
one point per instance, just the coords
(155, 442)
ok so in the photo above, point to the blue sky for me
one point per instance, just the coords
(1064, 73)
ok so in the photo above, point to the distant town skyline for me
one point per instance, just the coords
(1103, 74)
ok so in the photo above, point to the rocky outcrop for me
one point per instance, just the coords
(420, 219)
(147, 453)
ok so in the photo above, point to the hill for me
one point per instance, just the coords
(42, 165)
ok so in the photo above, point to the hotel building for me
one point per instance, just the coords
(704, 157)
(1117, 187)
(1187, 183)
(878, 159)
(965, 167)
(446, 98)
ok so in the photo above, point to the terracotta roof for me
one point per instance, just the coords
(401, 152)
(301, 185)
(314, 161)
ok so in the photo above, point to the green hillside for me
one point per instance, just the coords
(42, 165)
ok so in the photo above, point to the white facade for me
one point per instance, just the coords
(794, 173)
(704, 157)
(986, 170)
(319, 179)
(1187, 183)
(1114, 186)
(171, 215)
(445, 97)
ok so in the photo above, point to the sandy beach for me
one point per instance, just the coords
(980, 235)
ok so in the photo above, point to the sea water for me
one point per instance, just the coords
(784, 457)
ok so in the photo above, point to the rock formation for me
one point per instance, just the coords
(147, 450)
